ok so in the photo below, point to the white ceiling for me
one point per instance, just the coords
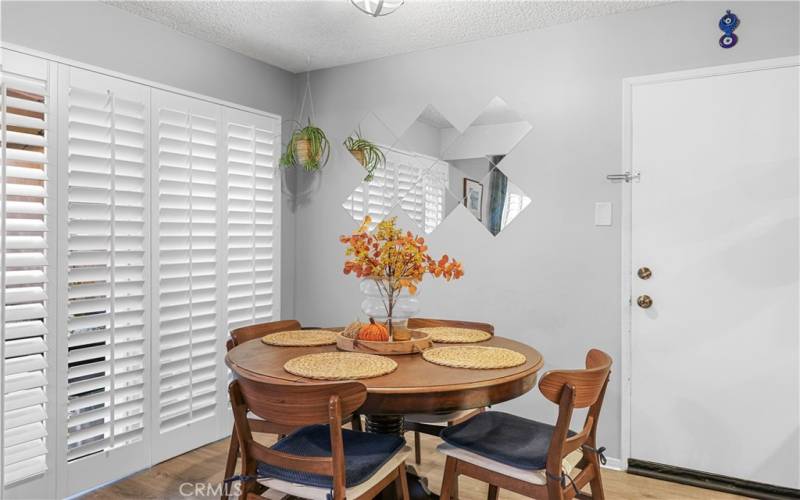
(333, 32)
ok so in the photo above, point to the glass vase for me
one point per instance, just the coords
(376, 304)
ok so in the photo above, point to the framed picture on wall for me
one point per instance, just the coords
(473, 197)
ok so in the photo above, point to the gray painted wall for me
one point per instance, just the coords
(551, 279)
(101, 35)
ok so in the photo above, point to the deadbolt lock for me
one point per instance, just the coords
(644, 301)
(644, 273)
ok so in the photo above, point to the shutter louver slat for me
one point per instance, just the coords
(187, 264)
(32, 450)
(21, 399)
(27, 468)
(24, 318)
(23, 172)
(106, 139)
(24, 364)
(23, 382)
(25, 434)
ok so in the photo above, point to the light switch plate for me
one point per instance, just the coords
(602, 213)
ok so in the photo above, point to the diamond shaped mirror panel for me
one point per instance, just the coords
(493, 199)
(495, 132)
(385, 187)
(431, 200)
(429, 136)
(433, 167)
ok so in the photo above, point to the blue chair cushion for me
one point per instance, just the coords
(505, 438)
(364, 454)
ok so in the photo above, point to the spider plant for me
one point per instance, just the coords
(308, 147)
(367, 153)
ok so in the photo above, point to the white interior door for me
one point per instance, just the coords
(714, 377)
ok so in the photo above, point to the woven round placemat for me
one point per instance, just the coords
(475, 357)
(340, 366)
(451, 335)
(300, 338)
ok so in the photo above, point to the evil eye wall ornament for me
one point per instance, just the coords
(727, 24)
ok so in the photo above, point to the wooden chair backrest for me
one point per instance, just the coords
(297, 405)
(300, 404)
(571, 389)
(430, 323)
(252, 332)
(586, 383)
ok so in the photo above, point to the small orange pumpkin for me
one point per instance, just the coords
(375, 332)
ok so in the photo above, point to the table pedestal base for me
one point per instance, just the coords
(417, 485)
(385, 424)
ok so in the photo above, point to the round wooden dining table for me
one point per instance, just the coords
(415, 387)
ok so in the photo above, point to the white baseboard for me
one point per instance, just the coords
(614, 464)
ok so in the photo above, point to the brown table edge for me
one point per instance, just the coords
(400, 390)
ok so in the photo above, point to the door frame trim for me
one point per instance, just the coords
(626, 213)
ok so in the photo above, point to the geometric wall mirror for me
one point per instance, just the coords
(432, 167)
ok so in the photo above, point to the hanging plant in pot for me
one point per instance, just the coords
(308, 147)
(366, 152)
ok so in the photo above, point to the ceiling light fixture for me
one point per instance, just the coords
(377, 8)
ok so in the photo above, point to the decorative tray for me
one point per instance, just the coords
(419, 342)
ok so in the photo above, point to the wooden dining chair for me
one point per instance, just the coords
(320, 460)
(244, 334)
(239, 336)
(433, 423)
(533, 458)
(252, 332)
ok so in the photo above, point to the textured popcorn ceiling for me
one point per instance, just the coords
(333, 33)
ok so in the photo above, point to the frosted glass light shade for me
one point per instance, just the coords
(377, 8)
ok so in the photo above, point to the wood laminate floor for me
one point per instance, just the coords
(194, 475)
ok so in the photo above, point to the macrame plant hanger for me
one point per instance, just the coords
(307, 95)
(313, 177)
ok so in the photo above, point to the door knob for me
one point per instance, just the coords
(644, 301)
(644, 273)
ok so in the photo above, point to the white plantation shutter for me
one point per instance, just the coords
(414, 182)
(105, 121)
(514, 205)
(251, 145)
(136, 227)
(185, 211)
(25, 291)
(390, 184)
(434, 192)
(425, 201)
